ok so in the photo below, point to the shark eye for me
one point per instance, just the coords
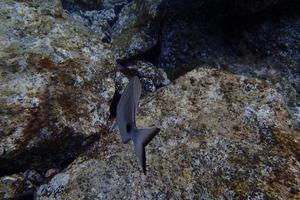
(128, 127)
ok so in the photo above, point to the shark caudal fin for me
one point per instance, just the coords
(140, 138)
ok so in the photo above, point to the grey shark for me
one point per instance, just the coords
(126, 113)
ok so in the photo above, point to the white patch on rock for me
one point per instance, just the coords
(214, 92)
(56, 184)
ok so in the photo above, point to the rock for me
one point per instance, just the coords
(33, 176)
(9, 186)
(136, 29)
(150, 76)
(116, 4)
(222, 136)
(87, 4)
(263, 46)
(19, 185)
(98, 21)
(243, 37)
(56, 81)
(51, 172)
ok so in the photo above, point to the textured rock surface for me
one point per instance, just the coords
(264, 46)
(136, 29)
(222, 137)
(150, 76)
(98, 21)
(55, 83)
(20, 185)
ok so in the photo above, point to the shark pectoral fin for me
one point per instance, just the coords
(141, 137)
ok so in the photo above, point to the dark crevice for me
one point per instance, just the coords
(56, 153)
(113, 105)
(25, 196)
(150, 55)
(78, 5)
(234, 24)
(53, 154)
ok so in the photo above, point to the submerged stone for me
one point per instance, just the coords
(222, 136)
(53, 71)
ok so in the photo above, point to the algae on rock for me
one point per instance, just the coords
(55, 82)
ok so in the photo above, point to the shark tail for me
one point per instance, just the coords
(125, 138)
(140, 138)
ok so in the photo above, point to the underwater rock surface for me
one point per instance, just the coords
(20, 186)
(150, 76)
(55, 85)
(136, 29)
(222, 136)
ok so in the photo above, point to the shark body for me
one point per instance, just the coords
(126, 114)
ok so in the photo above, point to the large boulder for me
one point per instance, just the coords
(222, 136)
(55, 85)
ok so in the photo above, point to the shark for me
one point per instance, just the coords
(126, 121)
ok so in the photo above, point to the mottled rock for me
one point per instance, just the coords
(150, 76)
(99, 18)
(264, 46)
(99, 21)
(253, 38)
(222, 136)
(136, 30)
(19, 185)
(56, 80)
(51, 172)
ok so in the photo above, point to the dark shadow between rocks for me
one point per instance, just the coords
(73, 5)
(25, 196)
(56, 153)
(216, 33)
